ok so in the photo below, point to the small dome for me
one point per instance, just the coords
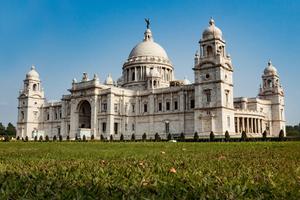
(154, 73)
(270, 69)
(212, 31)
(148, 48)
(32, 74)
(109, 80)
(186, 81)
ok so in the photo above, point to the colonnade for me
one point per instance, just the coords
(248, 124)
(138, 73)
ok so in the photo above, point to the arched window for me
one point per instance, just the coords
(34, 87)
(270, 84)
(209, 51)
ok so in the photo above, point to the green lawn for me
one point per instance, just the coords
(97, 170)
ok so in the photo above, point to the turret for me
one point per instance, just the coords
(213, 84)
(272, 90)
(31, 98)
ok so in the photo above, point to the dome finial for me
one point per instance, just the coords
(32, 67)
(211, 21)
(269, 62)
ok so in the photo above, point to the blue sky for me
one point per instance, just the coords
(64, 38)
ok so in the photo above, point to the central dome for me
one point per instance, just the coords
(148, 48)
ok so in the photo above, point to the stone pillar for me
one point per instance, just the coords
(243, 124)
(110, 115)
(94, 111)
(73, 119)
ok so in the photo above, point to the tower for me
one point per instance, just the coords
(214, 110)
(272, 90)
(31, 98)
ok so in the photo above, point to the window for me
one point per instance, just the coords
(58, 130)
(159, 106)
(132, 127)
(208, 95)
(133, 108)
(126, 127)
(209, 51)
(116, 128)
(192, 103)
(103, 107)
(48, 116)
(167, 127)
(228, 121)
(227, 96)
(116, 107)
(175, 105)
(34, 87)
(22, 115)
(103, 127)
(133, 76)
(168, 106)
(145, 108)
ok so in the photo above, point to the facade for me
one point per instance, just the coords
(147, 99)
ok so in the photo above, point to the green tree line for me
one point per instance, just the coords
(10, 130)
(293, 130)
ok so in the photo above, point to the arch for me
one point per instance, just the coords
(270, 83)
(209, 51)
(34, 87)
(84, 114)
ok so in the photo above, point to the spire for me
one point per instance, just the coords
(269, 62)
(211, 21)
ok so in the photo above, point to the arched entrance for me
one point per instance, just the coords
(84, 115)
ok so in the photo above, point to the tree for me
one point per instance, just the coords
(41, 138)
(26, 138)
(111, 138)
(35, 138)
(157, 137)
(196, 137)
(264, 135)
(47, 138)
(227, 136)
(60, 137)
(76, 137)
(54, 138)
(6, 138)
(92, 137)
(144, 137)
(101, 137)
(211, 136)
(244, 136)
(169, 136)
(83, 138)
(10, 130)
(18, 138)
(68, 138)
(132, 137)
(182, 136)
(2, 129)
(281, 135)
(122, 137)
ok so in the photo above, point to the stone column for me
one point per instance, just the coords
(243, 124)
(110, 115)
(94, 111)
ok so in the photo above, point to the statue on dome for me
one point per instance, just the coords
(147, 20)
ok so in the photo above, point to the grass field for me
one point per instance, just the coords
(97, 170)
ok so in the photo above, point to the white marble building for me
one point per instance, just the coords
(147, 99)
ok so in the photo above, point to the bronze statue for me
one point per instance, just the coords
(147, 22)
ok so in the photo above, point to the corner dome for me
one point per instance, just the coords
(270, 69)
(33, 74)
(212, 32)
(148, 48)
